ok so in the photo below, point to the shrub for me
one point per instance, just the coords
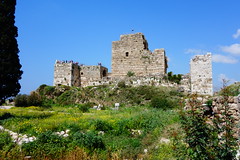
(176, 78)
(146, 91)
(88, 140)
(40, 89)
(209, 140)
(66, 98)
(160, 102)
(130, 74)
(121, 84)
(5, 115)
(34, 99)
(48, 90)
(48, 143)
(5, 139)
(21, 100)
(101, 125)
(84, 107)
(122, 127)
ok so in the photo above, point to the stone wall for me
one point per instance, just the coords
(185, 85)
(133, 81)
(71, 74)
(131, 53)
(201, 74)
(233, 105)
(92, 74)
(66, 73)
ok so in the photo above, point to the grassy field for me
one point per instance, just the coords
(150, 124)
(128, 133)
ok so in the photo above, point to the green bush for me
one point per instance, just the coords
(88, 140)
(122, 127)
(208, 140)
(160, 102)
(121, 84)
(66, 98)
(232, 90)
(34, 99)
(21, 100)
(176, 78)
(101, 125)
(84, 107)
(48, 90)
(40, 89)
(48, 143)
(5, 140)
(5, 115)
(130, 73)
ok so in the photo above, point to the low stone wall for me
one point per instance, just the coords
(228, 106)
(134, 81)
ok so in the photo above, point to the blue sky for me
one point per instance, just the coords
(83, 31)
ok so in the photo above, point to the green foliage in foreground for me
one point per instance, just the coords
(124, 133)
(208, 139)
(232, 90)
(52, 145)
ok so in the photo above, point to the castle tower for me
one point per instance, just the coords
(201, 74)
(131, 54)
(66, 73)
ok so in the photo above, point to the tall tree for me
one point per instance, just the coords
(10, 67)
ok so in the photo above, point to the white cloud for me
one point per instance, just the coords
(195, 51)
(223, 59)
(233, 49)
(236, 35)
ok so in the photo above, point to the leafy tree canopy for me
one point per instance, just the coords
(10, 72)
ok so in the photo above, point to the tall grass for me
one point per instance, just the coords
(117, 140)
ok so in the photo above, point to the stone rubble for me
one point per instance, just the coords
(20, 139)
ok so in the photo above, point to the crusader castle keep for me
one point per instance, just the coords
(130, 55)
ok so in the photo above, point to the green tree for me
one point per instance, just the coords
(10, 72)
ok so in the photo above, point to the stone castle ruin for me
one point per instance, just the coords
(71, 74)
(130, 55)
